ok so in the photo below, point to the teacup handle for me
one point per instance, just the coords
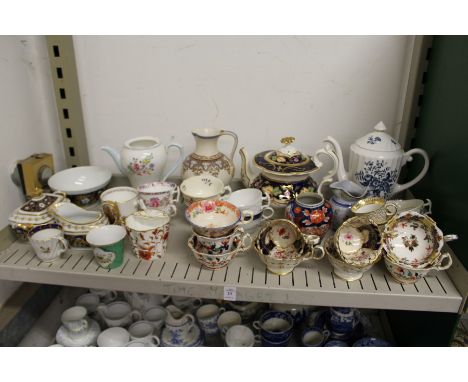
(142, 205)
(438, 266)
(246, 237)
(172, 210)
(113, 294)
(326, 334)
(256, 325)
(197, 302)
(156, 340)
(390, 210)
(250, 217)
(111, 210)
(265, 198)
(135, 315)
(270, 211)
(64, 244)
(191, 321)
(226, 193)
(84, 324)
(312, 250)
(427, 207)
(176, 192)
(221, 310)
(451, 237)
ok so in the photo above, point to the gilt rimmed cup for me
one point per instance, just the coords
(48, 242)
(159, 196)
(108, 245)
(119, 202)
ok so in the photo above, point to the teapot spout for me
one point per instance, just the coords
(116, 157)
(246, 174)
(341, 172)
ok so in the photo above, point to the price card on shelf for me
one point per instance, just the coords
(230, 293)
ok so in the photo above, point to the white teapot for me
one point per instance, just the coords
(143, 159)
(375, 161)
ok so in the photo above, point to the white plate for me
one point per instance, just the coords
(80, 180)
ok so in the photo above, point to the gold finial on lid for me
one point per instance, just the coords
(287, 140)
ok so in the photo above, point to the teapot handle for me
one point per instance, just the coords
(408, 158)
(328, 151)
(179, 160)
(234, 145)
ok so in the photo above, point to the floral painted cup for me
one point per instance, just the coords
(149, 233)
(221, 245)
(108, 245)
(159, 196)
(216, 218)
(48, 242)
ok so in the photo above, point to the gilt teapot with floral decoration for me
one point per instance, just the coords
(375, 161)
(285, 172)
(143, 159)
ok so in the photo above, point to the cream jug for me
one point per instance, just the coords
(375, 161)
(143, 159)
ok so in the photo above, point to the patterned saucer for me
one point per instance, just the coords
(194, 339)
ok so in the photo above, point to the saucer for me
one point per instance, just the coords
(195, 338)
(88, 338)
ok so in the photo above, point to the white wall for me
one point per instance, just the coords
(28, 118)
(263, 88)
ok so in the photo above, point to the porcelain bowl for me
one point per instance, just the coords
(83, 184)
(76, 222)
(215, 218)
(406, 274)
(215, 262)
(342, 269)
(203, 187)
(414, 240)
(358, 242)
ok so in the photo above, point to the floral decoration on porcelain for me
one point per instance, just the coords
(144, 166)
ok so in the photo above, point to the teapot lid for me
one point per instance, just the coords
(378, 140)
(285, 160)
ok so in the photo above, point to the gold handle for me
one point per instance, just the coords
(111, 210)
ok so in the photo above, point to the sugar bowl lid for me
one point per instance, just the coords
(378, 140)
(285, 160)
(34, 211)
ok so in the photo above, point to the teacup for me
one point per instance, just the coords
(241, 336)
(113, 337)
(108, 245)
(149, 232)
(159, 196)
(221, 245)
(216, 218)
(156, 316)
(375, 209)
(118, 313)
(297, 312)
(275, 326)
(314, 337)
(74, 319)
(252, 199)
(145, 301)
(119, 202)
(104, 295)
(343, 321)
(143, 331)
(90, 301)
(228, 319)
(48, 242)
(207, 316)
(203, 187)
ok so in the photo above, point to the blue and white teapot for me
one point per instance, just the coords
(375, 161)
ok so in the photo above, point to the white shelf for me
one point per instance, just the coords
(178, 273)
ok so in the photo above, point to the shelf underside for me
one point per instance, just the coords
(178, 273)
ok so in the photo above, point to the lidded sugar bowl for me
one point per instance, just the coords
(33, 213)
(284, 172)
